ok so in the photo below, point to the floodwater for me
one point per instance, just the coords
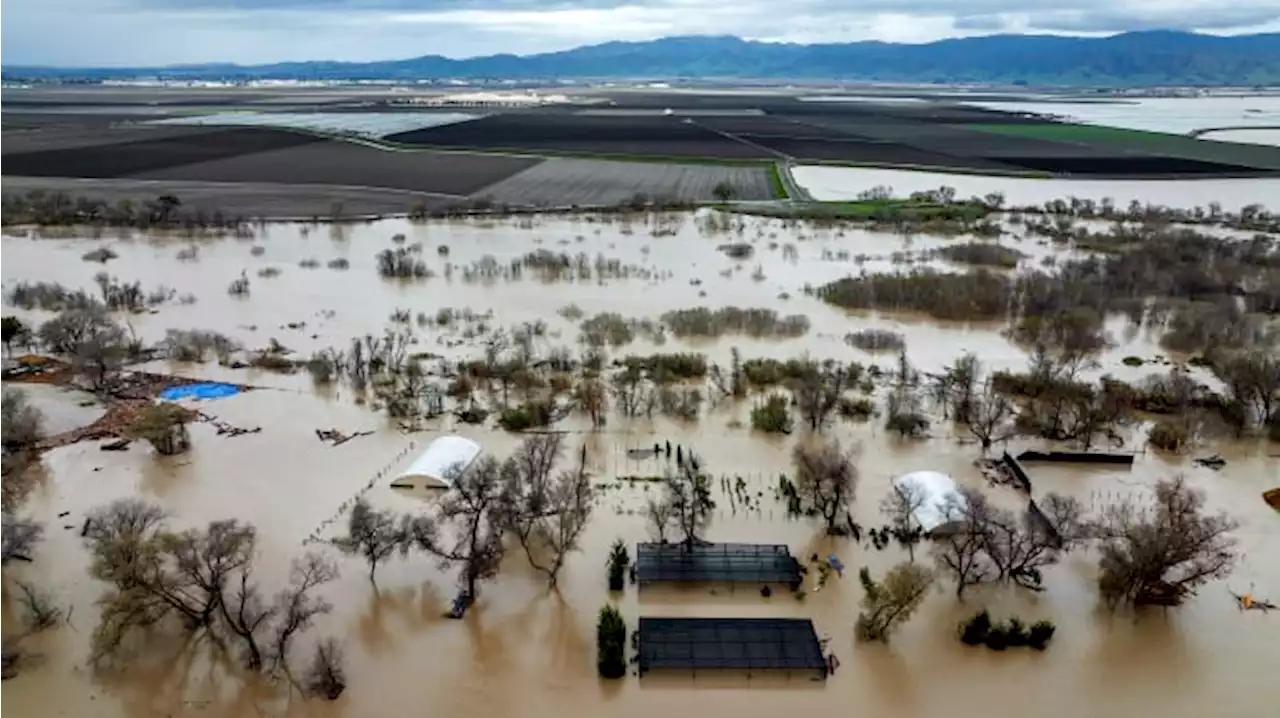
(524, 651)
(826, 183)
(1179, 115)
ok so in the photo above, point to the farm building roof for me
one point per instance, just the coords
(443, 459)
(729, 643)
(732, 562)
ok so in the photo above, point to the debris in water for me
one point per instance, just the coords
(1215, 462)
(1272, 498)
(117, 445)
(336, 437)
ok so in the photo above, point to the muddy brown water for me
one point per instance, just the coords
(525, 651)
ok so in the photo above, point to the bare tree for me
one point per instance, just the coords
(472, 510)
(164, 426)
(593, 398)
(689, 502)
(659, 516)
(826, 479)
(296, 605)
(41, 613)
(990, 417)
(1163, 552)
(96, 344)
(20, 536)
(818, 388)
(888, 603)
(900, 506)
(325, 675)
(1065, 515)
(547, 513)
(21, 424)
(1018, 549)
(373, 535)
(202, 577)
(961, 551)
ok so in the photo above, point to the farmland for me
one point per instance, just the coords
(564, 181)
(602, 147)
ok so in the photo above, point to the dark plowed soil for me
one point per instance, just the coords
(644, 136)
(871, 152)
(344, 163)
(1123, 165)
(130, 158)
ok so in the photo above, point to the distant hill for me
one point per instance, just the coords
(1138, 58)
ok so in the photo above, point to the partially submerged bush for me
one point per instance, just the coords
(164, 426)
(663, 368)
(102, 255)
(239, 287)
(608, 329)
(973, 632)
(526, 416)
(339, 263)
(21, 424)
(402, 263)
(772, 415)
(1170, 435)
(619, 560)
(611, 644)
(1040, 634)
(982, 254)
(195, 345)
(49, 296)
(981, 630)
(876, 340)
(707, 323)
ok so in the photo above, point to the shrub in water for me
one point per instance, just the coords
(997, 638)
(1015, 633)
(1040, 634)
(772, 416)
(611, 642)
(973, 632)
(619, 559)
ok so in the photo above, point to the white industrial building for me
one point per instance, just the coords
(444, 459)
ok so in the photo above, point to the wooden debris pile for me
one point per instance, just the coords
(334, 437)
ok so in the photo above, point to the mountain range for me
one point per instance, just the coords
(1129, 59)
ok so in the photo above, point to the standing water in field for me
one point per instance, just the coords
(525, 650)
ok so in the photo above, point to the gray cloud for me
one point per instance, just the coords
(154, 32)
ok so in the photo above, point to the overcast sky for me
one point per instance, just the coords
(160, 32)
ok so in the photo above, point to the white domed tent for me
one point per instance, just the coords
(435, 468)
(935, 488)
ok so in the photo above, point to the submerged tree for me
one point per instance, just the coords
(21, 424)
(990, 417)
(472, 513)
(826, 480)
(94, 342)
(20, 536)
(1163, 552)
(376, 535)
(200, 579)
(905, 499)
(888, 603)
(817, 389)
(689, 502)
(960, 552)
(325, 675)
(164, 426)
(547, 512)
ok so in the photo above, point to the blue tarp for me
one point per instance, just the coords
(208, 390)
